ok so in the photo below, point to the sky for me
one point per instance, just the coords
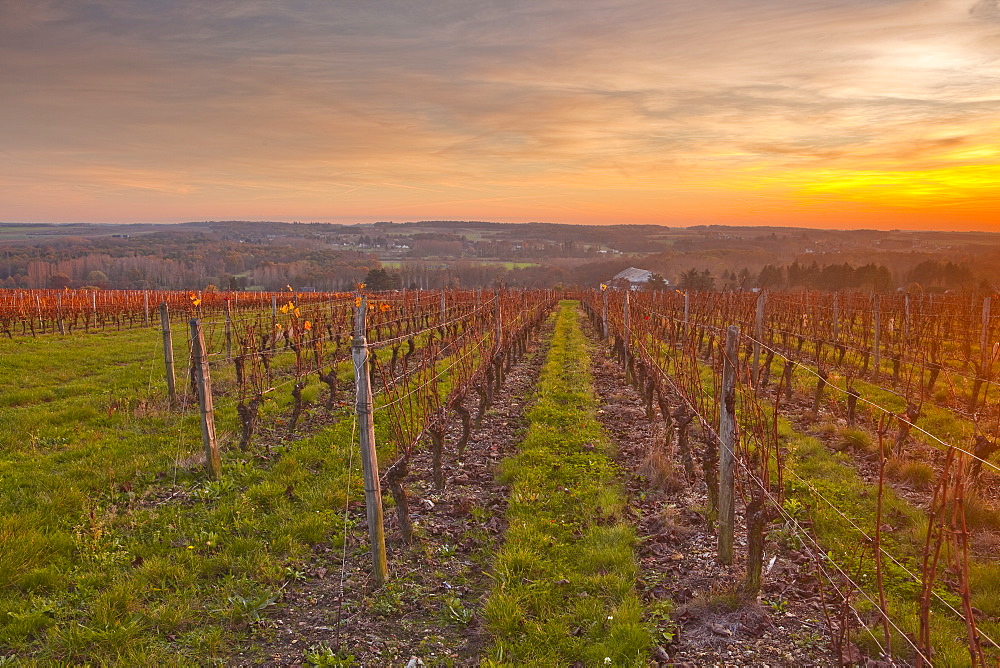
(816, 113)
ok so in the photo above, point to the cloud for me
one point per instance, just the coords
(317, 106)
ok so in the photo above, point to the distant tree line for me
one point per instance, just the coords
(931, 275)
(842, 276)
(191, 266)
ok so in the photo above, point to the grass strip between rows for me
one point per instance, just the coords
(564, 580)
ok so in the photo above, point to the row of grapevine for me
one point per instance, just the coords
(848, 349)
(429, 355)
(37, 312)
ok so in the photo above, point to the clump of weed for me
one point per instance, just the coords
(453, 611)
(661, 472)
(717, 600)
(324, 655)
(986, 543)
(917, 474)
(856, 440)
(669, 522)
(979, 515)
(826, 429)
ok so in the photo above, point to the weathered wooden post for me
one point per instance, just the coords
(213, 462)
(38, 309)
(687, 310)
(906, 318)
(627, 335)
(145, 299)
(274, 321)
(604, 312)
(59, 313)
(496, 296)
(983, 369)
(984, 340)
(876, 348)
(806, 320)
(758, 335)
(168, 353)
(229, 330)
(366, 432)
(727, 438)
(836, 319)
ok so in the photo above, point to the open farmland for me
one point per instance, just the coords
(554, 479)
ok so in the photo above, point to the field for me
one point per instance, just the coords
(396, 264)
(574, 519)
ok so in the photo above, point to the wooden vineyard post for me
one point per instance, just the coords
(984, 339)
(38, 310)
(59, 313)
(906, 318)
(876, 352)
(366, 432)
(604, 313)
(983, 370)
(229, 330)
(627, 334)
(758, 335)
(168, 353)
(145, 312)
(727, 436)
(274, 321)
(687, 310)
(836, 319)
(213, 462)
(93, 305)
(496, 296)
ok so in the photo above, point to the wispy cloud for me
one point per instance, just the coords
(592, 111)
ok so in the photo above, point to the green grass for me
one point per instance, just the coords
(564, 580)
(856, 440)
(114, 546)
(396, 264)
(513, 265)
(830, 488)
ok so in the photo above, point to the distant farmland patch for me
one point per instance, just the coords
(396, 264)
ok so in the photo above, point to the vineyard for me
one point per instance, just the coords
(185, 473)
(900, 523)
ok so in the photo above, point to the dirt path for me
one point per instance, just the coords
(429, 608)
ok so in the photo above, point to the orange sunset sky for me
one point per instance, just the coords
(813, 113)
